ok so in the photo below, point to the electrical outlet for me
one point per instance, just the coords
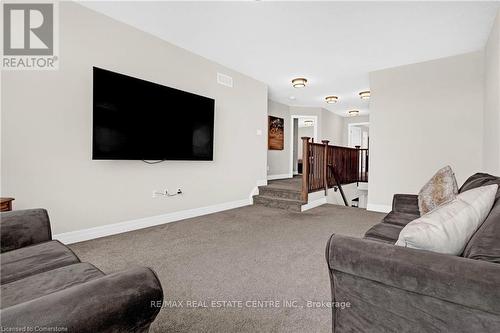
(165, 193)
(157, 194)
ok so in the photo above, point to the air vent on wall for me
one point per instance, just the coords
(225, 80)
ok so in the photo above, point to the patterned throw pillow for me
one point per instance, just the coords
(441, 188)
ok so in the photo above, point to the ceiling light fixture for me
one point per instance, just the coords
(331, 99)
(353, 113)
(364, 95)
(292, 98)
(299, 82)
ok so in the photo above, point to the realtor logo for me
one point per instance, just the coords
(29, 36)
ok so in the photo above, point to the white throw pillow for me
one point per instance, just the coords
(448, 228)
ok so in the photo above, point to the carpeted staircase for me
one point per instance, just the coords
(283, 194)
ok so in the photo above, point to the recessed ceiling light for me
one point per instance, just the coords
(352, 113)
(331, 99)
(364, 94)
(293, 98)
(299, 82)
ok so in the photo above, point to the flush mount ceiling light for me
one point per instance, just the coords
(364, 95)
(299, 82)
(292, 98)
(353, 113)
(331, 99)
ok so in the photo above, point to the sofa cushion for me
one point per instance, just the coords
(485, 243)
(45, 283)
(405, 203)
(400, 219)
(30, 260)
(384, 232)
(480, 179)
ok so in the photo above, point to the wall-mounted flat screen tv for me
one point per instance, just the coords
(134, 119)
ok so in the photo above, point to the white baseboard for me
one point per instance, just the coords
(262, 182)
(255, 191)
(118, 228)
(363, 186)
(379, 208)
(281, 176)
(313, 204)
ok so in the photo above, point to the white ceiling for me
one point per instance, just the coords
(333, 44)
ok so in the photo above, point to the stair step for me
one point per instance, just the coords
(270, 191)
(276, 202)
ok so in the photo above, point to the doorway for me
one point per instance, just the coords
(302, 125)
(358, 135)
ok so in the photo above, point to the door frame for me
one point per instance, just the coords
(349, 131)
(292, 117)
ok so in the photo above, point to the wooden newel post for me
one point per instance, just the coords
(358, 165)
(305, 168)
(325, 166)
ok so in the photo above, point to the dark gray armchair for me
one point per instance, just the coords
(44, 284)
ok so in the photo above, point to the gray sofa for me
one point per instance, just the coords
(396, 289)
(44, 284)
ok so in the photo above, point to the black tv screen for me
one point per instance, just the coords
(134, 119)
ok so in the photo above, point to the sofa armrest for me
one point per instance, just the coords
(405, 203)
(21, 228)
(127, 301)
(468, 282)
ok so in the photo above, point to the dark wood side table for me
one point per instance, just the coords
(6, 204)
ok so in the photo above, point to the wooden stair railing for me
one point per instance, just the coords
(363, 165)
(305, 168)
(325, 166)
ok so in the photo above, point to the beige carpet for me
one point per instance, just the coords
(242, 255)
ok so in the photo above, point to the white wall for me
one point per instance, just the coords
(491, 156)
(332, 128)
(422, 117)
(278, 161)
(46, 130)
